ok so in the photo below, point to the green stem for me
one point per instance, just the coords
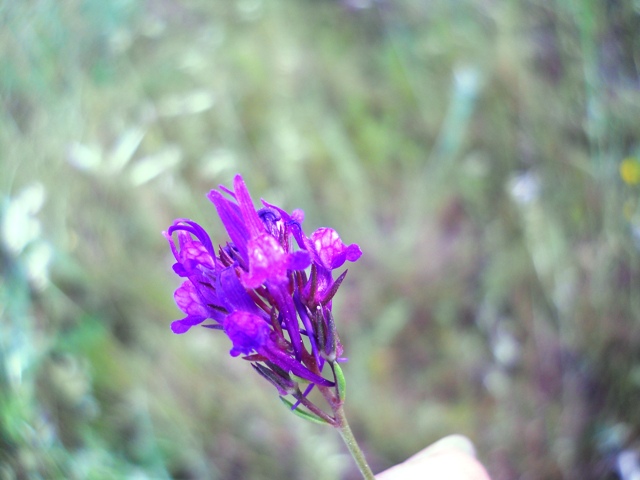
(352, 444)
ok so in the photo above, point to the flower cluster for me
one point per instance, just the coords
(269, 288)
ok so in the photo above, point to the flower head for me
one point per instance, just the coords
(256, 289)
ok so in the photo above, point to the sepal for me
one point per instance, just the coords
(312, 417)
(340, 380)
(284, 384)
(331, 344)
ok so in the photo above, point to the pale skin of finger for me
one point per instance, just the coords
(449, 464)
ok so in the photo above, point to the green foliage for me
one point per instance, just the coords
(471, 148)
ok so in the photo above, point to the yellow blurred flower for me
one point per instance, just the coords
(630, 171)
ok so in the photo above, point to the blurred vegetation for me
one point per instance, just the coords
(485, 155)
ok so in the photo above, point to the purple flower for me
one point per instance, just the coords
(268, 287)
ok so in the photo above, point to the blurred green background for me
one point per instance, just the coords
(485, 156)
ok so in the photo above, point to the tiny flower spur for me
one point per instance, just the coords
(269, 289)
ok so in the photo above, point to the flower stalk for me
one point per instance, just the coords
(352, 444)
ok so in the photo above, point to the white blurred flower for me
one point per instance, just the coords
(19, 223)
(628, 465)
(524, 188)
(21, 233)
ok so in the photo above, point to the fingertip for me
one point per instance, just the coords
(456, 442)
(452, 458)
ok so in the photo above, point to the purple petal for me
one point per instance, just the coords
(231, 218)
(246, 331)
(188, 300)
(306, 321)
(299, 260)
(332, 252)
(287, 308)
(271, 219)
(180, 270)
(233, 295)
(190, 252)
(267, 261)
(249, 214)
(181, 326)
(195, 251)
(353, 252)
(194, 229)
(293, 223)
(298, 215)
